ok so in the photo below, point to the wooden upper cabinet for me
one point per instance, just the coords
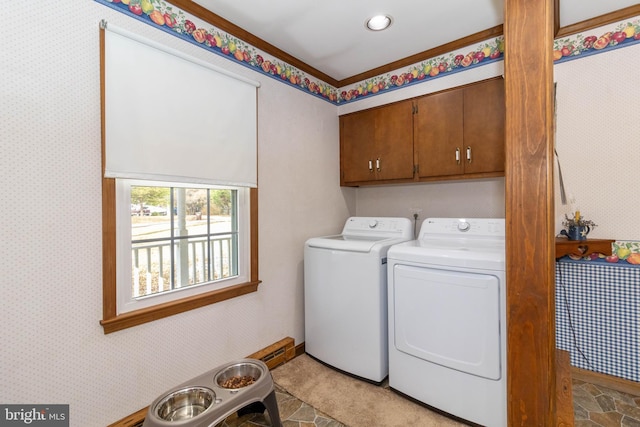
(460, 131)
(453, 134)
(484, 131)
(394, 141)
(377, 144)
(357, 136)
(439, 137)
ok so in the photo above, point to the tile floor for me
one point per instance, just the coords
(293, 413)
(594, 406)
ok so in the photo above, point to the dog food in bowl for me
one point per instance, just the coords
(238, 381)
(238, 375)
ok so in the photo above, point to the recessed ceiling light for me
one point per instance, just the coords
(379, 22)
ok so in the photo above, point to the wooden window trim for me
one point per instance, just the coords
(111, 321)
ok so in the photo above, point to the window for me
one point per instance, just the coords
(122, 308)
(185, 172)
(178, 241)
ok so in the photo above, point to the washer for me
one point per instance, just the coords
(345, 295)
(447, 318)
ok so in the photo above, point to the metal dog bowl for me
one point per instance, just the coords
(238, 375)
(208, 399)
(184, 404)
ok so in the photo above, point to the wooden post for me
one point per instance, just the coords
(528, 32)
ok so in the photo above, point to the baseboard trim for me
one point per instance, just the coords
(274, 355)
(609, 381)
(134, 420)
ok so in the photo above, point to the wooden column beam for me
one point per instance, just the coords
(531, 384)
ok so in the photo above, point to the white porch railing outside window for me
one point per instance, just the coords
(155, 270)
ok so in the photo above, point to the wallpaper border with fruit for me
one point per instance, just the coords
(173, 20)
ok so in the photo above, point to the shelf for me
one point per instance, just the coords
(586, 247)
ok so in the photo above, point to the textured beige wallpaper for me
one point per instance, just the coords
(598, 140)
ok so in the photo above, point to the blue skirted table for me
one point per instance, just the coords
(598, 315)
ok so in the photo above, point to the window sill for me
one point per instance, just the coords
(138, 317)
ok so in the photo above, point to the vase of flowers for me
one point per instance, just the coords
(577, 226)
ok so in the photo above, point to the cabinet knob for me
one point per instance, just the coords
(370, 166)
(458, 155)
(378, 164)
(469, 154)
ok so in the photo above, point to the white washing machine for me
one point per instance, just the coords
(447, 318)
(345, 295)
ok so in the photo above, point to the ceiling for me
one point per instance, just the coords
(331, 37)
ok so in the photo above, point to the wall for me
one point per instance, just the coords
(53, 348)
(476, 198)
(598, 140)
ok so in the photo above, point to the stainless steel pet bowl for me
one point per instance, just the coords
(184, 404)
(238, 375)
(209, 398)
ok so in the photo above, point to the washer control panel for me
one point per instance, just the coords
(378, 226)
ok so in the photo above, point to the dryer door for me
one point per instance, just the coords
(451, 318)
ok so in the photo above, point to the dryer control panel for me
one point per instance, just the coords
(463, 227)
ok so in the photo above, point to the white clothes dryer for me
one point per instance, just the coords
(345, 295)
(447, 318)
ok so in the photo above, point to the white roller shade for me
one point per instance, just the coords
(171, 117)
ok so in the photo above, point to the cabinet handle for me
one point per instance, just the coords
(469, 154)
(457, 155)
(378, 164)
(370, 166)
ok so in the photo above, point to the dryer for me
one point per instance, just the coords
(345, 295)
(447, 318)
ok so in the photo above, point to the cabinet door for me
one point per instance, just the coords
(438, 131)
(394, 141)
(484, 115)
(357, 142)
